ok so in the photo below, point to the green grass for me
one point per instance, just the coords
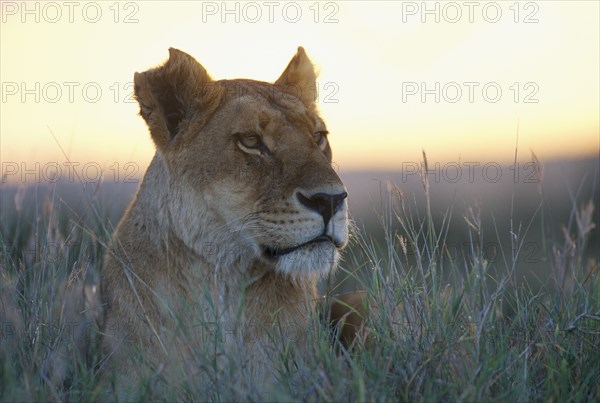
(443, 326)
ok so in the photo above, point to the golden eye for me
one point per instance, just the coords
(320, 138)
(250, 140)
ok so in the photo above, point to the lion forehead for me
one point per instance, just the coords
(266, 102)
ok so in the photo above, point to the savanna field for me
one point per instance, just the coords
(478, 291)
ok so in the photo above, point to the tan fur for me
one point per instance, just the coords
(194, 244)
(347, 315)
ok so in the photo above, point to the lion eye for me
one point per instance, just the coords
(250, 140)
(251, 143)
(320, 138)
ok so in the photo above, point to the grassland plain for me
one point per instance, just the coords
(448, 320)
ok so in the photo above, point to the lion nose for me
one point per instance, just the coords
(323, 203)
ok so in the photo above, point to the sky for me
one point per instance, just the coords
(460, 80)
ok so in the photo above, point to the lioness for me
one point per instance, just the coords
(238, 216)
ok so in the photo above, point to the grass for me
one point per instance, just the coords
(442, 325)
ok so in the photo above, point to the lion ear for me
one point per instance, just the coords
(299, 78)
(170, 94)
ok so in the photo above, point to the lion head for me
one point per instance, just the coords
(248, 166)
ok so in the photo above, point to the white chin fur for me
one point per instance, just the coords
(320, 259)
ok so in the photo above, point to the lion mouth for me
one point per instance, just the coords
(273, 253)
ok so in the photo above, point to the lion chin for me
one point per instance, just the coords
(316, 257)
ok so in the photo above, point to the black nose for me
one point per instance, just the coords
(323, 203)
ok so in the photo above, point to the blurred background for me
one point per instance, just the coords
(502, 96)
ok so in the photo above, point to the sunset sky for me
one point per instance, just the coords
(66, 72)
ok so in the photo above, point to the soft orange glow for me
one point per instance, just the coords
(390, 84)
